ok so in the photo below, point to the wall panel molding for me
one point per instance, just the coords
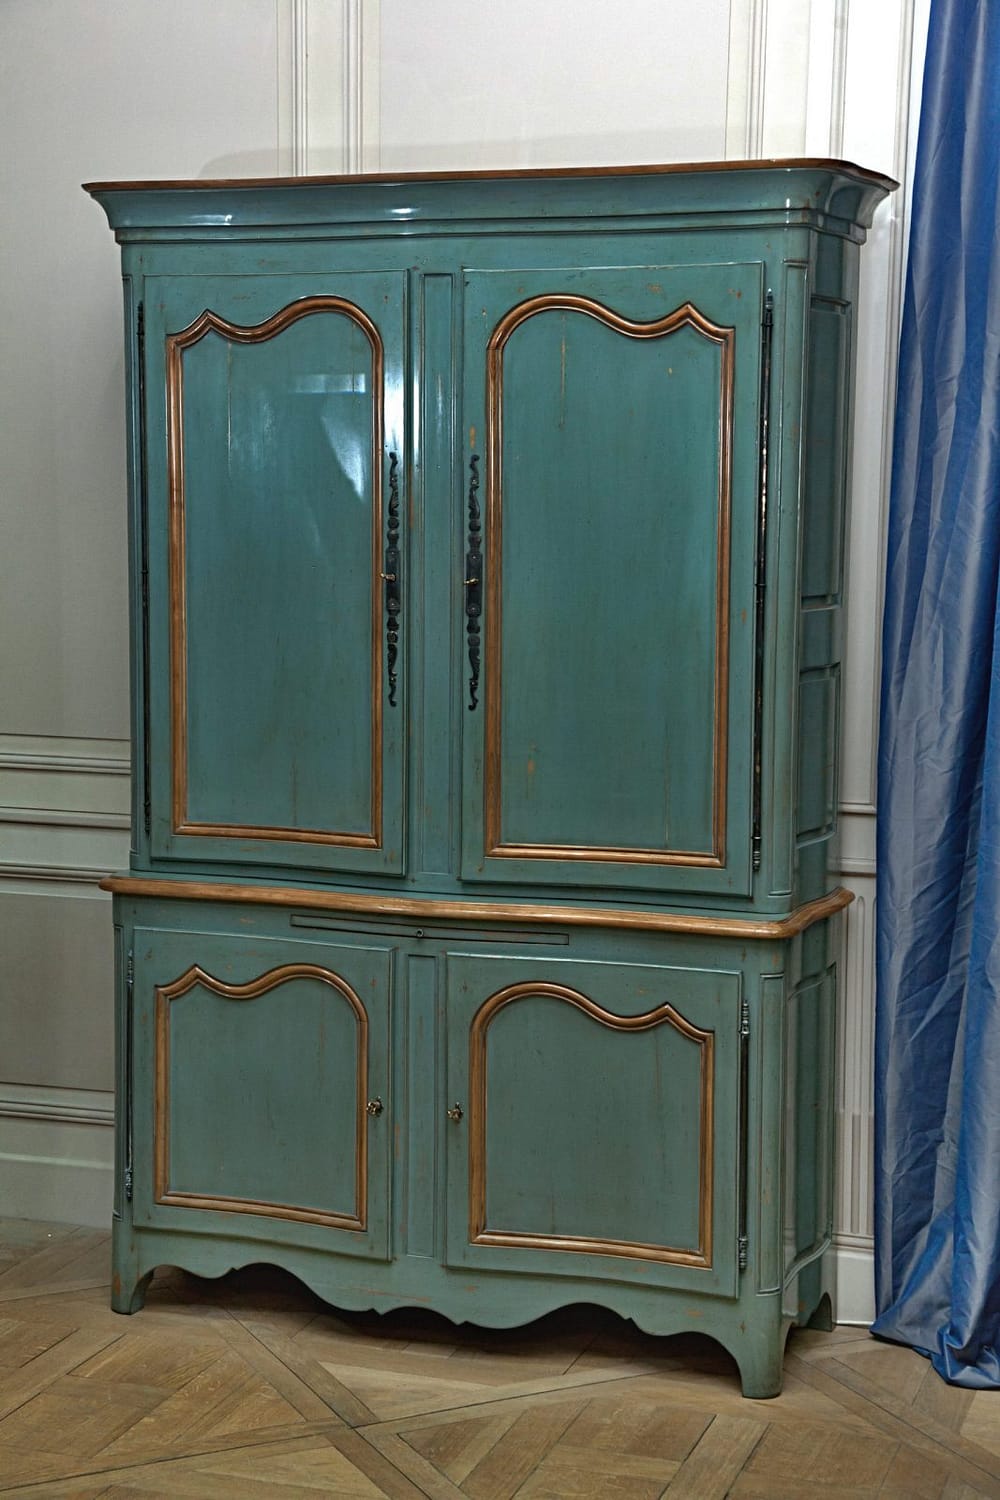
(64, 807)
(19, 1101)
(362, 46)
(855, 1072)
(747, 77)
(857, 841)
(47, 752)
(826, 81)
(881, 106)
(292, 69)
(328, 85)
(57, 1170)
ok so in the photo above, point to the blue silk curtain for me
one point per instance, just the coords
(938, 1006)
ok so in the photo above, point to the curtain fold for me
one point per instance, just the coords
(937, 1147)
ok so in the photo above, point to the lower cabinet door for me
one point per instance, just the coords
(260, 1075)
(594, 1120)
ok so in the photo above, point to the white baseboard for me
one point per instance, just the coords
(854, 1267)
(58, 1168)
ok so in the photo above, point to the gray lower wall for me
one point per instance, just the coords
(63, 825)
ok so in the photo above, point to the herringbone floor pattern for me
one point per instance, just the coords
(250, 1387)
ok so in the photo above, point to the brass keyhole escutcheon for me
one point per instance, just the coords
(455, 1113)
(374, 1107)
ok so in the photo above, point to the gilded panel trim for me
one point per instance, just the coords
(418, 907)
(176, 344)
(685, 316)
(162, 1192)
(479, 1234)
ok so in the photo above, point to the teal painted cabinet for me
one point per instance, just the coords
(487, 580)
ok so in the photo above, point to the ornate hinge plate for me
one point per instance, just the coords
(391, 577)
(474, 582)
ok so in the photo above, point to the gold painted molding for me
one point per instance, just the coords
(665, 1014)
(162, 1192)
(685, 316)
(176, 344)
(421, 907)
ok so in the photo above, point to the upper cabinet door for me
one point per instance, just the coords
(612, 521)
(274, 466)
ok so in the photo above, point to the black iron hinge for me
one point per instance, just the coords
(744, 1107)
(140, 332)
(127, 1101)
(760, 572)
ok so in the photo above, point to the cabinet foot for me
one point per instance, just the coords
(128, 1296)
(822, 1317)
(761, 1369)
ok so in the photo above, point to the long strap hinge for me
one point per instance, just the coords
(744, 1129)
(760, 573)
(143, 527)
(127, 1103)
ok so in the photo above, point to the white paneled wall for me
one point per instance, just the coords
(135, 88)
(88, 89)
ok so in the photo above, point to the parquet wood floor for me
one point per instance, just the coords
(251, 1387)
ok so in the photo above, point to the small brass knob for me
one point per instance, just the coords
(455, 1113)
(374, 1107)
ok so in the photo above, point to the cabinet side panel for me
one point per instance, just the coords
(791, 322)
(809, 1069)
(770, 1087)
(822, 586)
